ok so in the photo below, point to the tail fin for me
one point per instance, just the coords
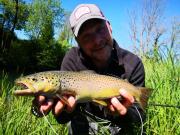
(145, 94)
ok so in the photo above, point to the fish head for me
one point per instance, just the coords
(37, 84)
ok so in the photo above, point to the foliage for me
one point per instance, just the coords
(8, 10)
(15, 115)
(13, 15)
(161, 75)
(33, 55)
(21, 55)
(41, 52)
(66, 36)
(149, 31)
(43, 17)
(51, 55)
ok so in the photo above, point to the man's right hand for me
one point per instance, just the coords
(44, 105)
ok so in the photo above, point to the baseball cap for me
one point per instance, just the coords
(82, 13)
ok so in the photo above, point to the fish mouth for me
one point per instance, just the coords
(26, 89)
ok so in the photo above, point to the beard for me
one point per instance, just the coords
(100, 57)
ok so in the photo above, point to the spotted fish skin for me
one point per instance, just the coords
(84, 85)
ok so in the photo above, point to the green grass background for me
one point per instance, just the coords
(161, 75)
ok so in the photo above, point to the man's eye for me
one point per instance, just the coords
(86, 39)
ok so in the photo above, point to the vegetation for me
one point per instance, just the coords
(13, 16)
(16, 117)
(38, 19)
(42, 51)
(162, 76)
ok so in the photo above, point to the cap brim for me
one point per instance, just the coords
(84, 20)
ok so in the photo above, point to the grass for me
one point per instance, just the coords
(164, 78)
(16, 117)
(161, 75)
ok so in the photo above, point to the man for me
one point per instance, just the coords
(97, 51)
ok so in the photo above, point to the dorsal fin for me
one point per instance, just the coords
(126, 80)
(88, 71)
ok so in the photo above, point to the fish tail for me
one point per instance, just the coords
(144, 96)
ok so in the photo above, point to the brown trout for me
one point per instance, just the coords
(84, 85)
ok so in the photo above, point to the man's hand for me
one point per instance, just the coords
(59, 106)
(44, 105)
(121, 107)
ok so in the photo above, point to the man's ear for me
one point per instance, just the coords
(109, 27)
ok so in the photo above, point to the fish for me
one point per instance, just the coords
(85, 86)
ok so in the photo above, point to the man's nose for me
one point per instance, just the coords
(97, 38)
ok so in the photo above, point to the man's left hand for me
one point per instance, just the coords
(121, 107)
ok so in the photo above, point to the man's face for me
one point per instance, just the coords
(95, 40)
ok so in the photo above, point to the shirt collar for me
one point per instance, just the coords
(117, 53)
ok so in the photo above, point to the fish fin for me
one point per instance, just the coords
(88, 71)
(145, 94)
(101, 102)
(63, 99)
(126, 80)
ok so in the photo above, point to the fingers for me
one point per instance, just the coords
(121, 107)
(41, 99)
(41, 106)
(46, 106)
(60, 106)
(71, 106)
(128, 99)
(117, 106)
(112, 108)
(38, 100)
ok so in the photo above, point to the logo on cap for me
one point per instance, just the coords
(81, 11)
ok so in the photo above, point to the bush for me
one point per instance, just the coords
(21, 56)
(31, 55)
(50, 56)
